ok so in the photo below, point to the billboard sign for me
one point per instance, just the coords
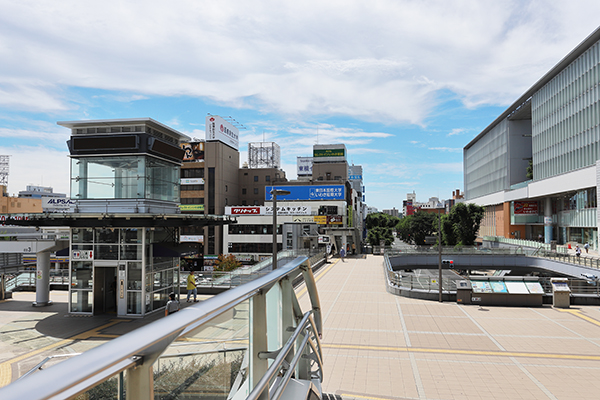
(220, 130)
(324, 192)
(304, 166)
(320, 153)
(56, 203)
(268, 210)
(193, 152)
(526, 208)
(355, 177)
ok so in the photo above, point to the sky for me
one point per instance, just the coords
(404, 84)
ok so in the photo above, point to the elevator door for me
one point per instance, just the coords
(105, 290)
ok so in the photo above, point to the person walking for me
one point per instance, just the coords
(577, 251)
(191, 286)
(586, 247)
(172, 305)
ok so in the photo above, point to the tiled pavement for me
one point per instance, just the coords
(377, 345)
(381, 346)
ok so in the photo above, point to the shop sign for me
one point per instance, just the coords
(335, 219)
(526, 208)
(191, 238)
(191, 207)
(288, 210)
(192, 181)
(320, 219)
(304, 219)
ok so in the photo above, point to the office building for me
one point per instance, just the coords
(535, 167)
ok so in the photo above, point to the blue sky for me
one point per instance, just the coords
(405, 85)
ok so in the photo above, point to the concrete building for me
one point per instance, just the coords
(535, 167)
(18, 205)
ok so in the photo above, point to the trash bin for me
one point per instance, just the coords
(561, 293)
(463, 292)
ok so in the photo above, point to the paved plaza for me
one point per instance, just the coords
(376, 345)
(381, 346)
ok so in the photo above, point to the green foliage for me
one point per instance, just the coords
(380, 227)
(380, 220)
(414, 228)
(460, 226)
(376, 234)
(529, 174)
(227, 263)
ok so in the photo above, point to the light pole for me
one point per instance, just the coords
(276, 192)
(440, 253)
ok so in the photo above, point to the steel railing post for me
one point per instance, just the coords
(287, 313)
(258, 339)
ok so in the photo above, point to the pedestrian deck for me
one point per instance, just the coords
(381, 346)
(376, 345)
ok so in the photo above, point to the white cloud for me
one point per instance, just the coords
(384, 62)
(39, 166)
(456, 131)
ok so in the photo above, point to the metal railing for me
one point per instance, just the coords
(27, 279)
(262, 319)
(577, 286)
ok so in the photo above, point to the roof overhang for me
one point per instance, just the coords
(81, 220)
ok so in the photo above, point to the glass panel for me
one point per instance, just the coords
(134, 276)
(106, 252)
(206, 363)
(107, 178)
(131, 252)
(107, 235)
(134, 302)
(81, 274)
(81, 301)
(82, 235)
(131, 235)
(160, 299)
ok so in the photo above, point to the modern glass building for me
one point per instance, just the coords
(125, 223)
(535, 167)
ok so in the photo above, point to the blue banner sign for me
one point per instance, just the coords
(323, 192)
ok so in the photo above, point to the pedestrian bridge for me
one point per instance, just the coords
(251, 342)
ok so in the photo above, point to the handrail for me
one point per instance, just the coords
(306, 326)
(142, 345)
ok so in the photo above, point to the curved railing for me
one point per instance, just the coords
(219, 348)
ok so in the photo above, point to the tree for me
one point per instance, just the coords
(227, 263)
(380, 226)
(460, 226)
(529, 173)
(414, 228)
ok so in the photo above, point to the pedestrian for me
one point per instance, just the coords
(353, 249)
(540, 237)
(191, 286)
(577, 251)
(342, 253)
(586, 247)
(172, 305)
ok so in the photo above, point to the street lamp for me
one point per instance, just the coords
(276, 192)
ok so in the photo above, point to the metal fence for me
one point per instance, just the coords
(247, 342)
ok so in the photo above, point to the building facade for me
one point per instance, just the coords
(535, 168)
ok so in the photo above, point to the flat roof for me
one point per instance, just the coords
(123, 121)
(568, 59)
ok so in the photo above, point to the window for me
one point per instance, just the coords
(226, 188)
(255, 190)
(255, 202)
(243, 190)
(255, 178)
(268, 178)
